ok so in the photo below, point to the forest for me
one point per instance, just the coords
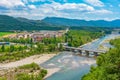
(77, 38)
(108, 65)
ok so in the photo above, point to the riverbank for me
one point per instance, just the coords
(51, 72)
(105, 45)
(36, 59)
(88, 43)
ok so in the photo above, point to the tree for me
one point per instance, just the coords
(3, 48)
(108, 65)
(20, 48)
(12, 48)
(61, 47)
(40, 47)
(51, 47)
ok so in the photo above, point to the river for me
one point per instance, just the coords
(72, 67)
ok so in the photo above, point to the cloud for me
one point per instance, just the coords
(32, 6)
(101, 12)
(53, 9)
(37, 0)
(11, 3)
(33, 1)
(95, 2)
(68, 6)
(67, 10)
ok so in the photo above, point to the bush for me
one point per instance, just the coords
(28, 66)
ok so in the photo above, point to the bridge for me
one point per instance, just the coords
(84, 51)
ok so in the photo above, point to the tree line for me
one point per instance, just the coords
(77, 38)
(19, 51)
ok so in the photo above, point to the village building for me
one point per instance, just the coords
(39, 36)
(23, 35)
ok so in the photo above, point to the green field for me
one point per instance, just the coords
(5, 33)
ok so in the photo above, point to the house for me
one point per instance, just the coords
(39, 36)
(23, 35)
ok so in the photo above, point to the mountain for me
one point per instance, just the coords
(76, 22)
(8, 23)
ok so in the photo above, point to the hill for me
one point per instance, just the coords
(8, 23)
(76, 22)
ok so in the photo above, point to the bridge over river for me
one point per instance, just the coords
(93, 47)
(84, 51)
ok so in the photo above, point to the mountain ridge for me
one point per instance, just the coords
(78, 22)
(9, 23)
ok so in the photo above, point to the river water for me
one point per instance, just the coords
(73, 67)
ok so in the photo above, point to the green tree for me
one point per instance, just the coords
(108, 65)
(3, 48)
(12, 48)
(61, 47)
(52, 47)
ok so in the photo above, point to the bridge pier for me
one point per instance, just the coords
(87, 53)
(67, 49)
(80, 51)
(95, 54)
(73, 50)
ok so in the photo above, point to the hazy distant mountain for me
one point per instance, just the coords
(76, 22)
(8, 23)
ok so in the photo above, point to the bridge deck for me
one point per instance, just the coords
(73, 48)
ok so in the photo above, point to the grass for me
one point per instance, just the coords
(28, 66)
(26, 72)
(2, 78)
(5, 33)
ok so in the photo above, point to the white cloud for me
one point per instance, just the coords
(26, 1)
(69, 6)
(95, 2)
(101, 12)
(53, 9)
(67, 10)
(11, 3)
(32, 6)
(36, 0)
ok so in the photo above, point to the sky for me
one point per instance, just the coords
(73, 9)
